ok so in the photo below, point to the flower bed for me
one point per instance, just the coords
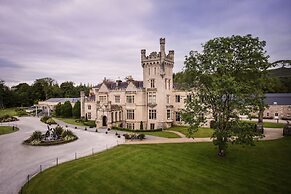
(54, 136)
(7, 118)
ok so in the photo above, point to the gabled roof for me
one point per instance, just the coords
(111, 85)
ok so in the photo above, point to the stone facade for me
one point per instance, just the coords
(149, 104)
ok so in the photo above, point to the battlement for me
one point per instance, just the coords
(158, 57)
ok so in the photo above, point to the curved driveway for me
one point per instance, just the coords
(18, 160)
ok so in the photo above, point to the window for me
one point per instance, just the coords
(152, 126)
(178, 116)
(117, 99)
(169, 82)
(153, 114)
(130, 114)
(166, 83)
(116, 116)
(189, 97)
(130, 99)
(102, 99)
(130, 125)
(268, 114)
(155, 70)
(112, 117)
(152, 83)
(168, 114)
(120, 116)
(276, 114)
(168, 99)
(89, 107)
(89, 115)
(178, 98)
(152, 98)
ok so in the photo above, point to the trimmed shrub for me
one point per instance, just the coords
(131, 130)
(7, 118)
(51, 121)
(59, 130)
(44, 119)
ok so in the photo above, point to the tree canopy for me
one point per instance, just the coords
(24, 94)
(228, 78)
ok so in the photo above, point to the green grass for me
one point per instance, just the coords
(202, 132)
(71, 121)
(173, 168)
(8, 111)
(269, 124)
(7, 129)
(166, 134)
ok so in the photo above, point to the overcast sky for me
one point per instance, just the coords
(87, 40)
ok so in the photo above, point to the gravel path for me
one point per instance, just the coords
(270, 134)
(18, 160)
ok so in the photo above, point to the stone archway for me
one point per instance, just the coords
(104, 121)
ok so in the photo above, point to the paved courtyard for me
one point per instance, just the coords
(18, 160)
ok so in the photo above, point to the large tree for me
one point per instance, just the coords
(77, 110)
(227, 79)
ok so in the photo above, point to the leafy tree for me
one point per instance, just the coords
(67, 109)
(23, 93)
(77, 110)
(228, 78)
(68, 90)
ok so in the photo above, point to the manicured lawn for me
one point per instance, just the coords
(173, 168)
(8, 111)
(269, 124)
(162, 134)
(202, 132)
(71, 121)
(7, 129)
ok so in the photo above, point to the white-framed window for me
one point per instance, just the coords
(89, 115)
(152, 114)
(276, 114)
(130, 99)
(178, 116)
(130, 114)
(268, 114)
(130, 125)
(117, 99)
(178, 98)
(168, 99)
(168, 114)
(89, 107)
(152, 97)
(152, 83)
(102, 99)
(152, 126)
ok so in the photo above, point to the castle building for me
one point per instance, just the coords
(148, 104)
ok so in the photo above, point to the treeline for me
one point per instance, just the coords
(23, 94)
(280, 82)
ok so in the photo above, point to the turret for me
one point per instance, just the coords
(162, 48)
(82, 101)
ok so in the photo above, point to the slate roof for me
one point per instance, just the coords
(62, 100)
(278, 98)
(111, 85)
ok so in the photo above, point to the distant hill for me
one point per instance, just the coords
(281, 72)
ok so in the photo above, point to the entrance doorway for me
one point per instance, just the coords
(104, 121)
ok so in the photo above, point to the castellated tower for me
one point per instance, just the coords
(158, 82)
